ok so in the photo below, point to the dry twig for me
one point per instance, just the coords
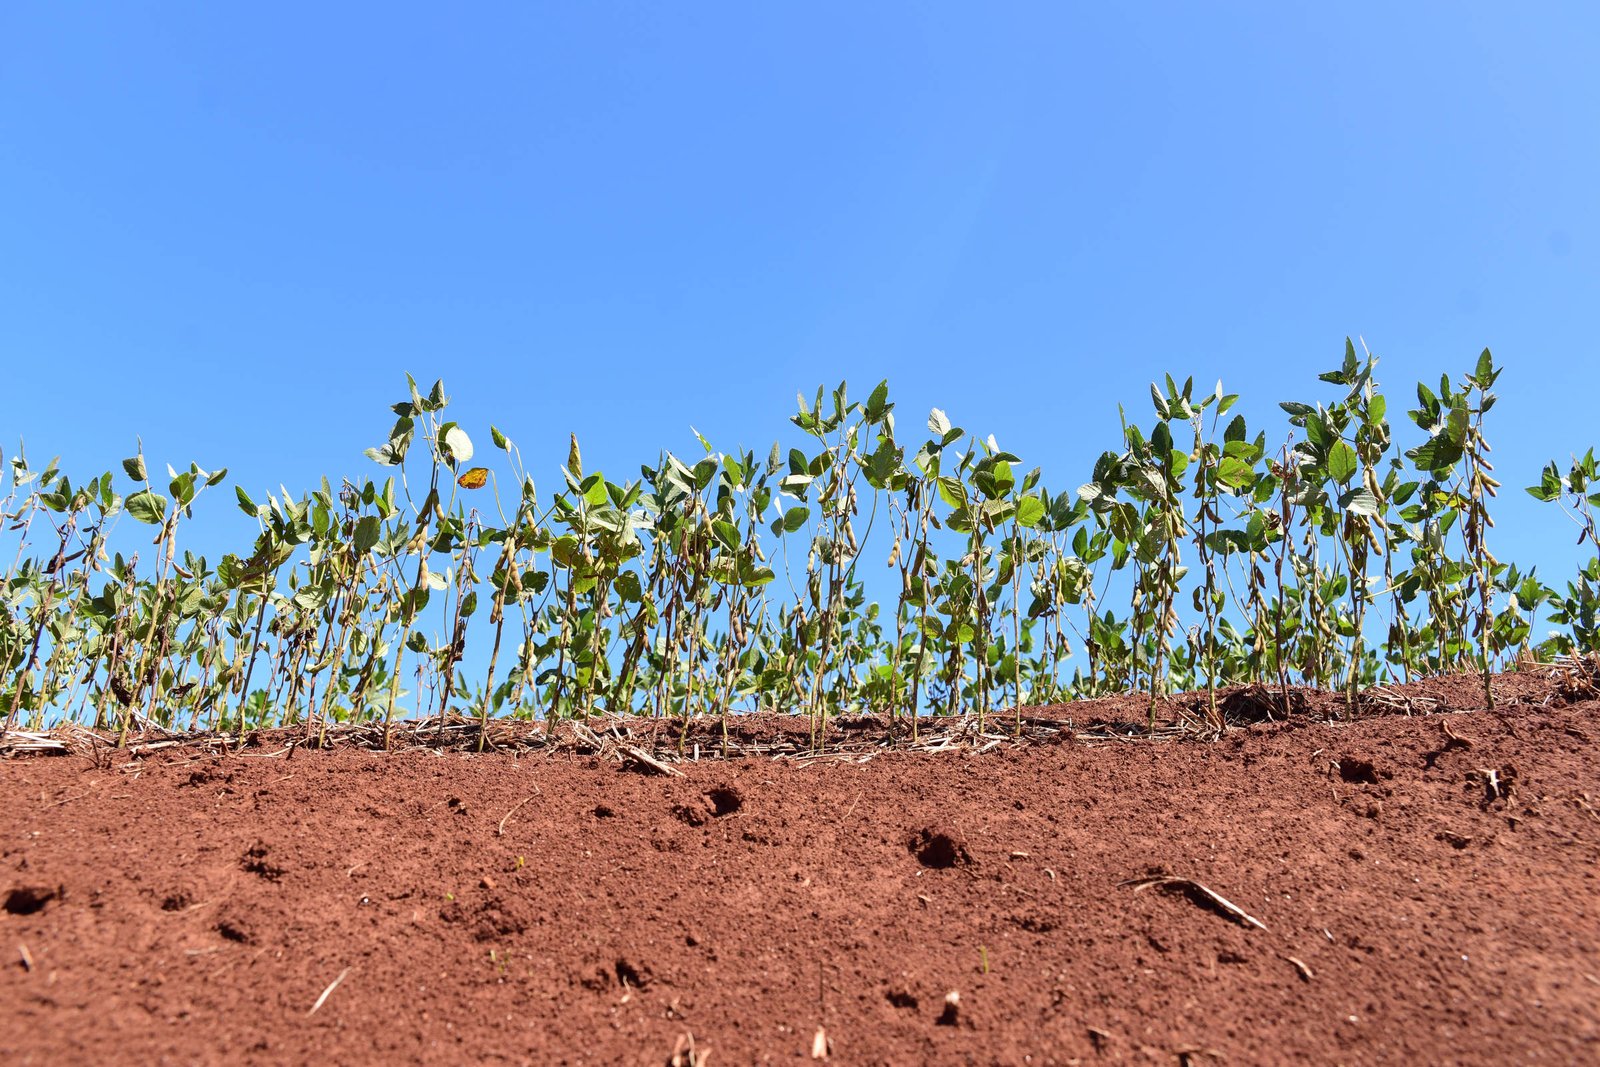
(500, 831)
(1193, 890)
(326, 992)
(684, 1053)
(1454, 738)
(639, 755)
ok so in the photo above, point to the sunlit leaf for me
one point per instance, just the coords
(456, 444)
(1030, 511)
(1360, 502)
(147, 507)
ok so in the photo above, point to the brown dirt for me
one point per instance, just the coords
(551, 907)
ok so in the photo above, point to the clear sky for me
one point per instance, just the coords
(232, 228)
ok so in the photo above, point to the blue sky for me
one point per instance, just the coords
(232, 230)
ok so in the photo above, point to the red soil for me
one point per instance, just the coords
(195, 908)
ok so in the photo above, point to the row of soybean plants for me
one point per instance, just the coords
(1199, 553)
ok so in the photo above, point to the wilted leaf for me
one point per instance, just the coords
(574, 459)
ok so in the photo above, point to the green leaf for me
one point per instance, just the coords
(1235, 473)
(1342, 462)
(1541, 492)
(147, 507)
(367, 530)
(1444, 449)
(1030, 511)
(500, 440)
(727, 533)
(246, 505)
(1317, 432)
(182, 487)
(878, 403)
(567, 551)
(753, 577)
(1004, 478)
(882, 464)
(628, 587)
(134, 465)
(795, 518)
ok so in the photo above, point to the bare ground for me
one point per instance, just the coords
(1403, 888)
